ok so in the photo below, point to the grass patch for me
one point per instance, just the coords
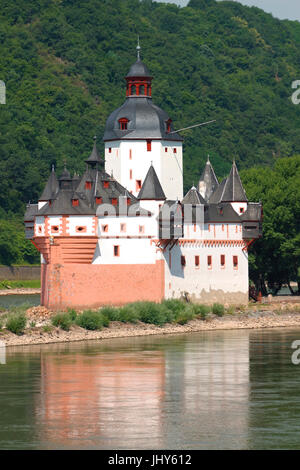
(16, 324)
(47, 328)
(33, 284)
(62, 320)
(218, 309)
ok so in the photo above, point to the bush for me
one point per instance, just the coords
(186, 315)
(218, 309)
(112, 313)
(62, 320)
(47, 328)
(90, 320)
(16, 324)
(150, 312)
(201, 310)
(72, 314)
(129, 313)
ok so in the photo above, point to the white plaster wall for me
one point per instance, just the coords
(167, 165)
(57, 222)
(132, 251)
(132, 225)
(39, 226)
(239, 205)
(213, 231)
(200, 281)
(80, 221)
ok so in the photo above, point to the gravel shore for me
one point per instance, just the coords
(253, 319)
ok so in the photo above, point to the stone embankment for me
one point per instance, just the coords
(254, 317)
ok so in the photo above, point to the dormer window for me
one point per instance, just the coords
(98, 200)
(88, 185)
(75, 202)
(114, 201)
(106, 184)
(123, 122)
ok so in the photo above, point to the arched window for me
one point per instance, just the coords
(123, 122)
(142, 90)
(133, 89)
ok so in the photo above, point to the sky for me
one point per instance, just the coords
(283, 9)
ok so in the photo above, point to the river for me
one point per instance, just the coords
(208, 390)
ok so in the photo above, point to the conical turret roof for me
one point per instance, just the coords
(208, 182)
(233, 189)
(51, 187)
(151, 188)
(94, 156)
(193, 197)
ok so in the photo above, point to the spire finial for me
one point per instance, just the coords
(53, 169)
(138, 48)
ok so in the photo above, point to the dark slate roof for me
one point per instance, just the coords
(151, 188)
(233, 190)
(208, 182)
(217, 194)
(65, 176)
(30, 213)
(62, 205)
(94, 156)
(146, 121)
(138, 69)
(193, 197)
(51, 187)
(253, 212)
(220, 213)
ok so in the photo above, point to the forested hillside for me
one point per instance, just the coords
(64, 61)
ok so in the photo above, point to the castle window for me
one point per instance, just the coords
(130, 174)
(183, 261)
(141, 229)
(80, 229)
(130, 154)
(133, 90)
(106, 184)
(75, 202)
(123, 122)
(195, 228)
(98, 200)
(54, 228)
(128, 201)
(104, 228)
(116, 250)
(166, 149)
(175, 150)
(40, 229)
(235, 262)
(241, 210)
(123, 228)
(222, 260)
(138, 185)
(88, 185)
(142, 90)
(109, 150)
(149, 146)
(114, 201)
(197, 261)
(209, 262)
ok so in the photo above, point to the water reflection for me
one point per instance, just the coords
(207, 390)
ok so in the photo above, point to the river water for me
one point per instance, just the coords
(208, 390)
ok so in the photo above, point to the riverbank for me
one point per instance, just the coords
(257, 317)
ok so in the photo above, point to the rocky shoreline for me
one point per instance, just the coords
(258, 317)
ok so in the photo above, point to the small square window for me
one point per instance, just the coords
(109, 150)
(197, 261)
(222, 260)
(75, 202)
(98, 200)
(114, 201)
(183, 261)
(166, 149)
(106, 184)
(138, 185)
(209, 261)
(149, 146)
(88, 185)
(175, 150)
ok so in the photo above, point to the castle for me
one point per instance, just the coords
(125, 232)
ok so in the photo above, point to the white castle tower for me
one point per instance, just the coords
(140, 134)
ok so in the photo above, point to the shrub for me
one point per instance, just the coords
(152, 313)
(32, 324)
(129, 313)
(72, 314)
(186, 315)
(201, 310)
(62, 320)
(218, 309)
(112, 313)
(47, 328)
(230, 310)
(16, 324)
(90, 320)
